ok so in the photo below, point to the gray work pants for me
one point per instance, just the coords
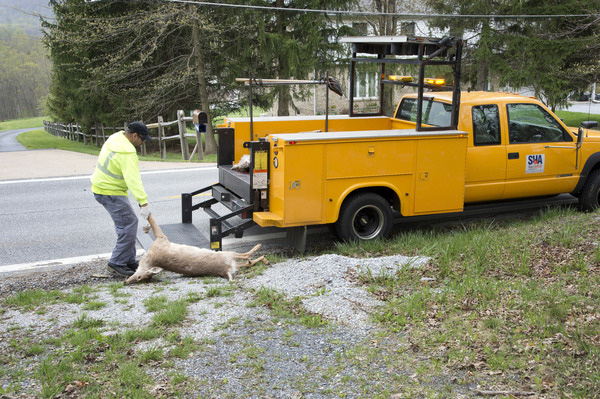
(126, 223)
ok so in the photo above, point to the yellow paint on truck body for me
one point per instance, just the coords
(315, 172)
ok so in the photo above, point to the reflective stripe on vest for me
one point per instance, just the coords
(104, 168)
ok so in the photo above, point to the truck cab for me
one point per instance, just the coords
(517, 147)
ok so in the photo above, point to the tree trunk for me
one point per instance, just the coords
(209, 137)
(283, 101)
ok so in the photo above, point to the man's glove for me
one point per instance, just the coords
(145, 212)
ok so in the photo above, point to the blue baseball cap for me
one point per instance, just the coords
(140, 129)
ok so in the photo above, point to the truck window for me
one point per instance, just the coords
(407, 110)
(435, 113)
(530, 123)
(486, 124)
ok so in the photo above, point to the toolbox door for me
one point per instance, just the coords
(440, 175)
(303, 183)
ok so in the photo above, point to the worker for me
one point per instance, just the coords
(116, 172)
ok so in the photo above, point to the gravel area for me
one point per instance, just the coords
(247, 351)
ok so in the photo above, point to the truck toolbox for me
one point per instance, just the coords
(312, 173)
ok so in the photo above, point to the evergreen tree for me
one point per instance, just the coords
(296, 44)
(118, 61)
(553, 55)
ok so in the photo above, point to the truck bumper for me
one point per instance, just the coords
(267, 219)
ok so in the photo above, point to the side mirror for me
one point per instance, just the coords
(585, 125)
(589, 124)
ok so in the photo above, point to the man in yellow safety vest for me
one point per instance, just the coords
(117, 171)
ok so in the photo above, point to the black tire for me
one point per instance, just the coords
(589, 198)
(363, 217)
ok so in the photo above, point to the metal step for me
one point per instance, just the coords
(179, 233)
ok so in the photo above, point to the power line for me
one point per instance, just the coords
(378, 14)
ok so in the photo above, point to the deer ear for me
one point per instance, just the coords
(155, 270)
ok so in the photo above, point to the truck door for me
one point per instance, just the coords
(486, 158)
(541, 154)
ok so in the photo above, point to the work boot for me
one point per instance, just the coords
(120, 270)
(133, 265)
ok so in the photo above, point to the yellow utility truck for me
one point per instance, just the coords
(440, 150)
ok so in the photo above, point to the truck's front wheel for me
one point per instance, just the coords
(589, 198)
(365, 216)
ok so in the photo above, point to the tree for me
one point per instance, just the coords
(295, 44)
(24, 74)
(137, 60)
(551, 55)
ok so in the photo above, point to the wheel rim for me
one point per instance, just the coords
(367, 222)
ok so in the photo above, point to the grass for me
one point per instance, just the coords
(517, 300)
(26, 123)
(87, 359)
(39, 139)
(288, 309)
(574, 119)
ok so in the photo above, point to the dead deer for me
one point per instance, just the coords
(188, 260)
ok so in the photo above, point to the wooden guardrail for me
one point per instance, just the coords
(99, 133)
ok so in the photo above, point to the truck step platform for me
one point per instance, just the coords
(178, 233)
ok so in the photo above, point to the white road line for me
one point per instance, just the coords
(57, 262)
(148, 172)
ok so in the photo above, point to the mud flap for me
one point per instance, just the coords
(297, 237)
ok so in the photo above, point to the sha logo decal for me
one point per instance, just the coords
(535, 163)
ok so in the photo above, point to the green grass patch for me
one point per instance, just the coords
(174, 313)
(289, 309)
(156, 303)
(29, 299)
(26, 123)
(39, 139)
(506, 296)
(574, 119)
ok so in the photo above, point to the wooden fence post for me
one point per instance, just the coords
(162, 144)
(199, 145)
(185, 149)
(83, 135)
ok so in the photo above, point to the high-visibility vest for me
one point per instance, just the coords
(118, 169)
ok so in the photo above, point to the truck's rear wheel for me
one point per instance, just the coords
(365, 216)
(589, 198)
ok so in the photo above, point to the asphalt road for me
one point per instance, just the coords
(54, 218)
(584, 106)
(47, 211)
(8, 140)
